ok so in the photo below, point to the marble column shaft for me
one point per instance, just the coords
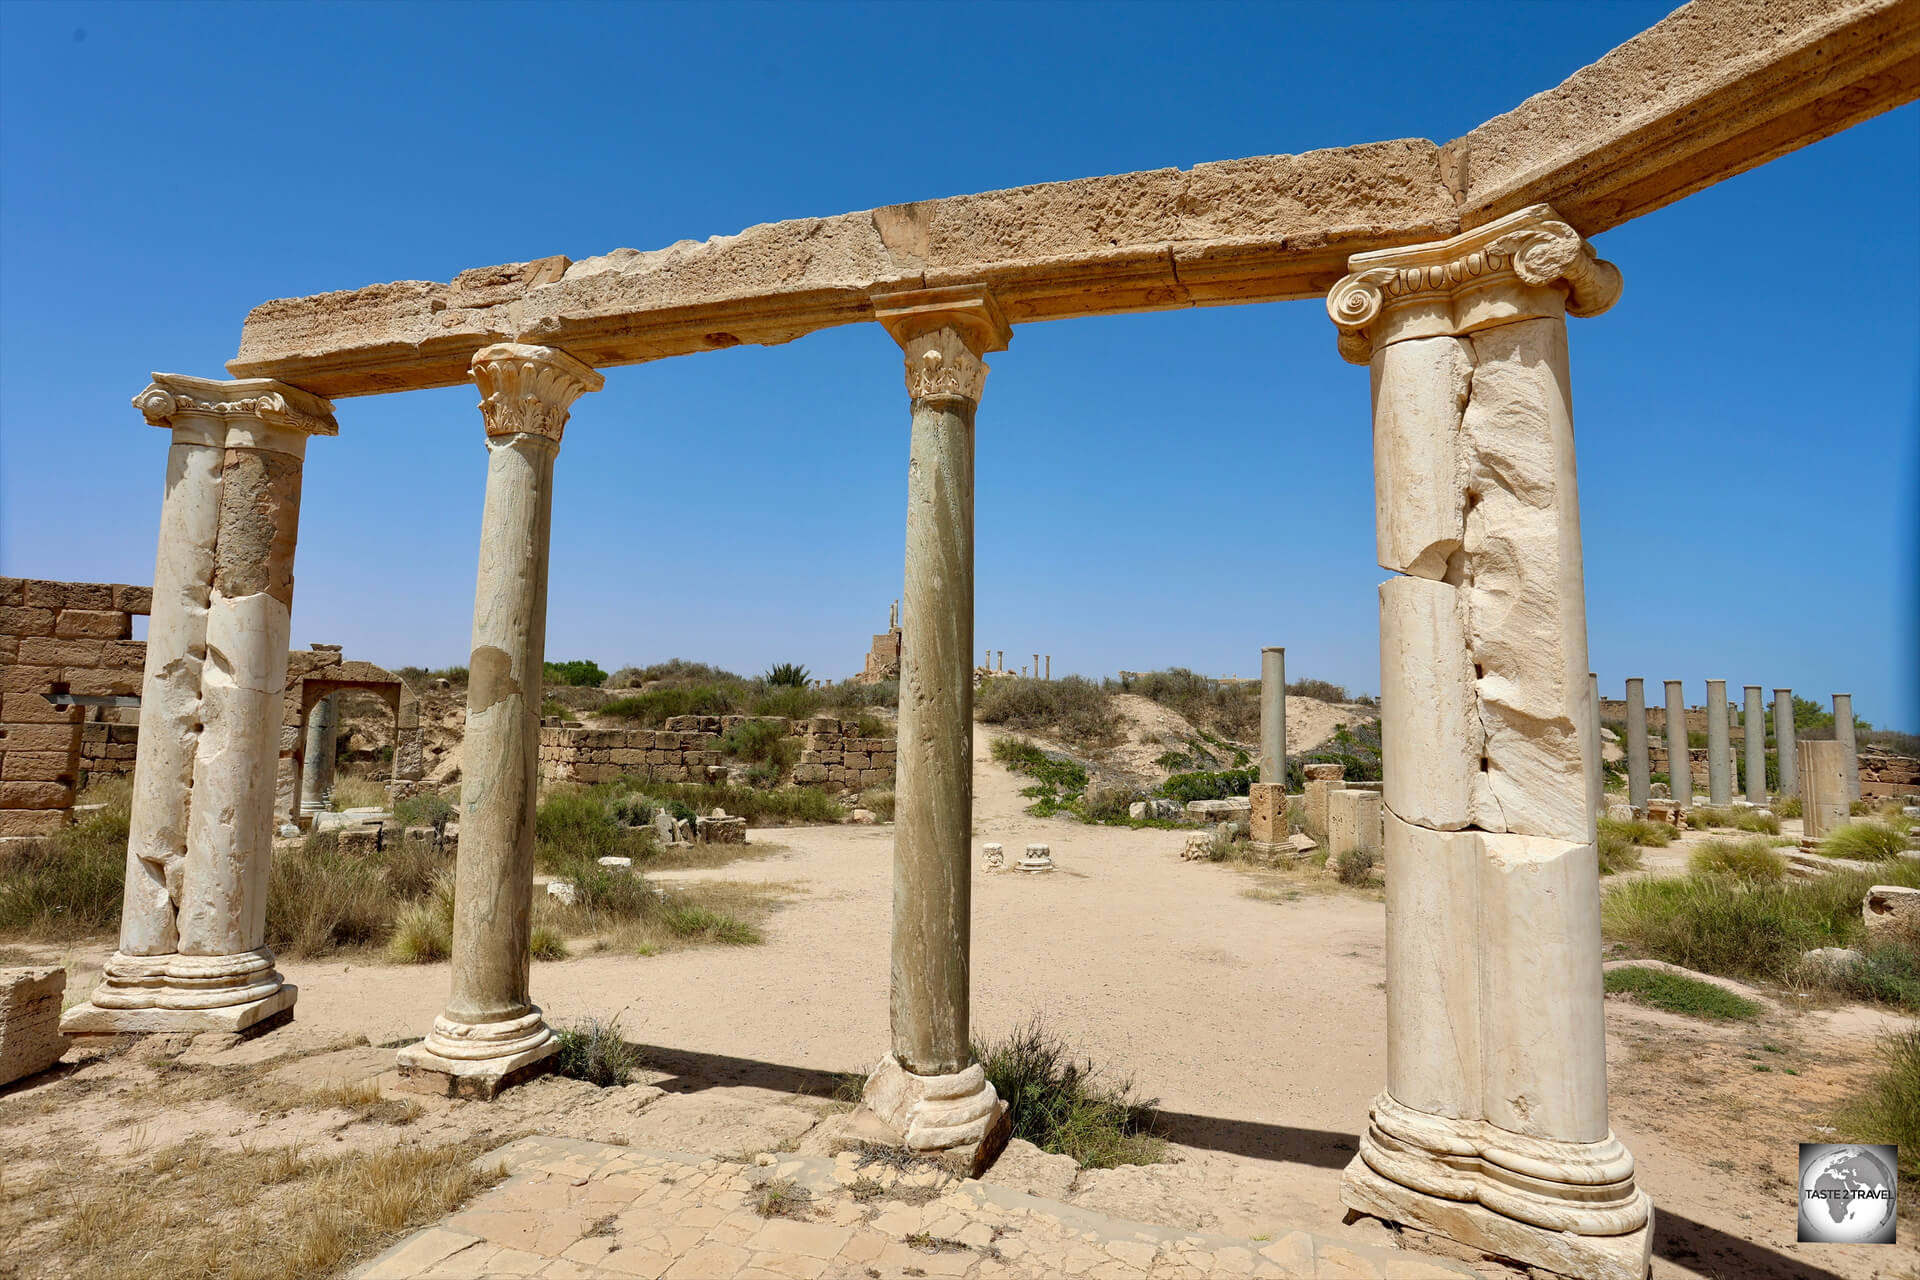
(193, 954)
(1637, 759)
(1596, 769)
(1785, 741)
(1495, 1026)
(1756, 744)
(317, 756)
(1844, 735)
(1273, 715)
(1679, 754)
(1719, 753)
(491, 1027)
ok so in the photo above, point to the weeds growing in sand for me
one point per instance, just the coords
(1888, 1110)
(1068, 1106)
(1739, 819)
(1615, 850)
(1652, 835)
(594, 1050)
(1677, 993)
(1865, 841)
(1752, 859)
(68, 885)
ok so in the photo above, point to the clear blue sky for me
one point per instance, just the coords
(1177, 488)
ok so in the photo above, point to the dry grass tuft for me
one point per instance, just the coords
(201, 1212)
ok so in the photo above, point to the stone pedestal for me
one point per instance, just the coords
(492, 1035)
(1786, 742)
(1267, 820)
(928, 1093)
(1493, 1128)
(1638, 787)
(1322, 780)
(1824, 801)
(193, 920)
(1353, 823)
(1273, 716)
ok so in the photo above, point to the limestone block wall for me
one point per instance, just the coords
(883, 658)
(62, 637)
(686, 749)
(314, 673)
(1885, 775)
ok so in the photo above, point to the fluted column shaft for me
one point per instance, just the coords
(1495, 1026)
(1844, 735)
(1638, 787)
(1786, 742)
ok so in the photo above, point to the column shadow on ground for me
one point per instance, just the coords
(1676, 1238)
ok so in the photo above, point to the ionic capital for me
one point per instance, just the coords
(1524, 265)
(235, 401)
(529, 389)
(944, 333)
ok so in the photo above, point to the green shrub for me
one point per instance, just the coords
(763, 742)
(1068, 1106)
(68, 885)
(1889, 973)
(704, 924)
(1232, 709)
(1677, 993)
(1059, 783)
(596, 1052)
(791, 674)
(878, 801)
(1739, 819)
(579, 673)
(1754, 858)
(320, 900)
(545, 943)
(1866, 841)
(428, 809)
(1221, 785)
(1787, 806)
(1656, 835)
(1071, 708)
(881, 693)
(1742, 929)
(1108, 801)
(1888, 1110)
(1322, 690)
(772, 806)
(573, 826)
(672, 671)
(1616, 852)
(1353, 866)
(421, 935)
(792, 701)
(654, 707)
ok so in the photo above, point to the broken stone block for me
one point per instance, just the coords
(30, 1039)
(1892, 910)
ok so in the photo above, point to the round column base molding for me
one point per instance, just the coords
(957, 1115)
(176, 981)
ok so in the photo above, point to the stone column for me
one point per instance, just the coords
(1493, 1126)
(1637, 785)
(928, 1092)
(1824, 801)
(1843, 734)
(1756, 743)
(1596, 772)
(1049, 666)
(193, 924)
(1784, 742)
(1679, 755)
(1273, 714)
(1719, 752)
(316, 766)
(1733, 754)
(492, 1035)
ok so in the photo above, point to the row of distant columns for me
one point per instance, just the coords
(1720, 755)
(1036, 664)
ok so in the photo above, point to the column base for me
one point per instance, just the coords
(478, 1060)
(255, 1017)
(1626, 1257)
(957, 1118)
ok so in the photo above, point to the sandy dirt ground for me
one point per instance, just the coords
(1256, 1021)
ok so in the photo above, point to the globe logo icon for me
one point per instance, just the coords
(1847, 1193)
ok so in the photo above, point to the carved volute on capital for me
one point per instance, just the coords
(172, 395)
(943, 334)
(1529, 263)
(529, 389)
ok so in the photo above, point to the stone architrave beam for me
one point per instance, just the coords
(1711, 91)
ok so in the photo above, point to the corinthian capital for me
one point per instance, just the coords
(944, 333)
(1526, 264)
(175, 395)
(529, 389)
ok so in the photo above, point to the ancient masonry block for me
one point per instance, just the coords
(30, 1038)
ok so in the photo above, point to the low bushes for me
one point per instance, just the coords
(1866, 841)
(1739, 819)
(1353, 866)
(1209, 785)
(596, 1052)
(1071, 709)
(1615, 850)
(1068, 1106)
(580, 673)
(1059, 783)
(1677, 993)
(1888, 1110)
(1656, 835)
(1231, 709)
(69, 884)
(879, 801)
(1753, 858)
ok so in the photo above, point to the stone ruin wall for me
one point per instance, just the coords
(64, 637)
(686, 749)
